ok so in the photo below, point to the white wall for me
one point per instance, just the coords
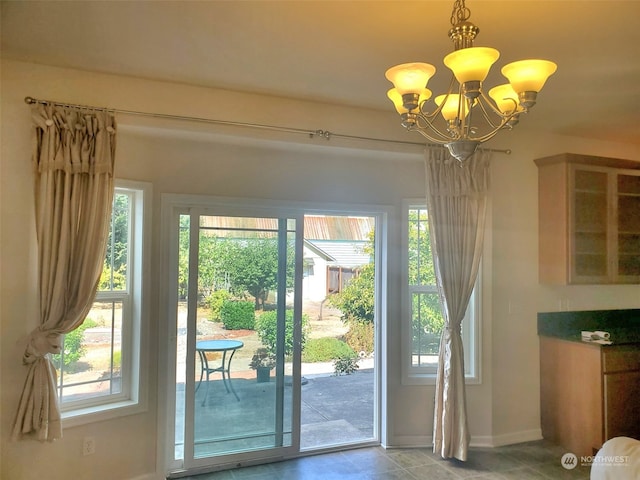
(314, 286)
(179, 157)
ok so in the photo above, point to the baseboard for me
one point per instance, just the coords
(486, 441)
(149, 476)
(410, 441)
(517, 437)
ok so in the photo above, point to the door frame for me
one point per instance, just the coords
(171, 205)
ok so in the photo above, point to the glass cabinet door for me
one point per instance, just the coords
(590, 247)
(628, 225)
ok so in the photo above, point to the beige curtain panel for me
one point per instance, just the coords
(73, 159)
(456, 205)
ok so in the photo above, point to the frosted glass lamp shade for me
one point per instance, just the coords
(505, 97)
(410, 77)
(471, 64)
(528, 75)
(450, 109)
(396, 98)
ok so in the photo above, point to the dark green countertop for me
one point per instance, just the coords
(623, 325)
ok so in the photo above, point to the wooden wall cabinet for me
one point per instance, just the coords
(589, 220)
(588, 393)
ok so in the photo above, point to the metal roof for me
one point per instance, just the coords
(325, 227)
(316, 227)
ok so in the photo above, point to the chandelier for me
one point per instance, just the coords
(469, 116)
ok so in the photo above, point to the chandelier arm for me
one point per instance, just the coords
(465, 115)
(491, 104)
(489, 135)
(506, 118)
(444, 101)
(429, 116)
(503, 118)
(461, 123)
(425, 124)
(495, 129)
(423, 132)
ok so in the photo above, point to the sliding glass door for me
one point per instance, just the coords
(237, 338)
(273, 333)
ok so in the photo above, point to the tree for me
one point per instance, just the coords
(420, 260)
(243, 266)
(422, 273)
(356, 300)
(252, 266)
(114, 271)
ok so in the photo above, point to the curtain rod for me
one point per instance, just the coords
(311, 133)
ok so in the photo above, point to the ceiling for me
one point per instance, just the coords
(337, 51)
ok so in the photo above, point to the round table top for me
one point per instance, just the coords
(218, 345)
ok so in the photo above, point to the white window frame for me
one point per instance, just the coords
(133, 398)
(426, 375)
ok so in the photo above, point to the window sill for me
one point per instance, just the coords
(83, 416)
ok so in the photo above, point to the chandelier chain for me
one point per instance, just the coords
(460, 13)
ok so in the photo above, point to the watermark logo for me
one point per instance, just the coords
(570, 461)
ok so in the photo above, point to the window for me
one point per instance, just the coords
(422, 314)
(99, 365)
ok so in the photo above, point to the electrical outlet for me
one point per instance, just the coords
(88, 446)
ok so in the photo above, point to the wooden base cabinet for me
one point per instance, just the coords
(588, 220)
(588, 393)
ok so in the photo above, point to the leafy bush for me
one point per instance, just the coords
(72, 347)
(262, 358)
(267, 328)
(360, 336)
(425, 343)
(119, 279)
(428, 313)
(216, 301)
(357, 297)
(325, 349)
(345, 365)
(238, 315)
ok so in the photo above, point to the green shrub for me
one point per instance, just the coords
(345, 365)
(238, 315)
(360, 336)
(357, 298)
(215, 302)
(267, 328)
(117, 360)
(325, 349)
(119, 279)
(72, 347)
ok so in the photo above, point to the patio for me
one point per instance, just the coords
(334, 410)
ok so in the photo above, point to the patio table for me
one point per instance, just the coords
(224, 346)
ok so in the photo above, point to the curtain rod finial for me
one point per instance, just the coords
(29, 100)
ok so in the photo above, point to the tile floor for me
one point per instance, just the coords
(527, 461)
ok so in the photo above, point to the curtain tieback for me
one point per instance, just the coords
(39, 344)
(451, 330)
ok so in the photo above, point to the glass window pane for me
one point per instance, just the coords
(420, 262)
(427, 322)
(90, 364)
(116, 262)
